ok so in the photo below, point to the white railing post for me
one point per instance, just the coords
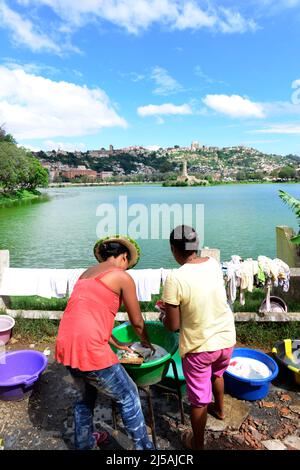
(4, 263)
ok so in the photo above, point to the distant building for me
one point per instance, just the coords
(72, 173)
(105, 174)
(195, 145)
(111, 148)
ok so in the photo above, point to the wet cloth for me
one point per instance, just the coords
(233, 277)
(86, 326)
(206, 320)
(118, 386)
(248, 368)
(199, 368)
(248, 270)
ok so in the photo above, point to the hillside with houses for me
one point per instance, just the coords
(137, 163)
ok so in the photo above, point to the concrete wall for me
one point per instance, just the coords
(294, 292)
(285, 249)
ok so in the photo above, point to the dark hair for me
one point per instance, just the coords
(115, 249)
(184, 239)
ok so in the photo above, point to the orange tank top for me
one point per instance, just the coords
(86, 326)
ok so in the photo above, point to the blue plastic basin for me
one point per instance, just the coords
(250, 389)
(19, 370)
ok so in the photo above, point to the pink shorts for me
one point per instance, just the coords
(199, 368)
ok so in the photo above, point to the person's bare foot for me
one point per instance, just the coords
(212, 410)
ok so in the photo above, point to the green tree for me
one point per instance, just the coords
(19, 170)
(4, 137)
(287, 172)
(241, 176)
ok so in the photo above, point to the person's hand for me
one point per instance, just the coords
(124, 346)
(147, 344)
(162, 316)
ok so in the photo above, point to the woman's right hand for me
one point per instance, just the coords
(147, 344)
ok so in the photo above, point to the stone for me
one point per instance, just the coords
(268, 404)
(274, 444)
(284, 411)
(285, 397)
(13, 341)
(295, 408)
(292, 441)
(255, 433)
(236, 411)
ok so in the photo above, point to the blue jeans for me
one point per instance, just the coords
(116, 384)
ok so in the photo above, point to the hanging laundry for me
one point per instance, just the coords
(147, 282)
(164, 274)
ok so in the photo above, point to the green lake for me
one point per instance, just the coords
(60, 232)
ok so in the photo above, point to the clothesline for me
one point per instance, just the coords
(240, 276)
(57, 283)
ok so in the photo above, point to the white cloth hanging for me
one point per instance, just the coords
(147, 282)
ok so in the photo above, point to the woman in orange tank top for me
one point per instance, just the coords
(85, 335)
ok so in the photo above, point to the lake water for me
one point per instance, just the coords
(61, 232)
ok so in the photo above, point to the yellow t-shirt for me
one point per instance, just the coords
(206, 320)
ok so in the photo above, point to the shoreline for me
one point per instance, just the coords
(23, 195)
(149, 183)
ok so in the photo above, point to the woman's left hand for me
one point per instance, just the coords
(124, 346)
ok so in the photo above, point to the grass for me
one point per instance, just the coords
(262, 335)
(265, 334)
(253, 302)
(40, 330)
(40, 303)
(17, 196)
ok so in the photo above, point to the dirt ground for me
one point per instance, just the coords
(44, 420)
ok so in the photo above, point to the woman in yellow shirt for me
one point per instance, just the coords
(196, 304)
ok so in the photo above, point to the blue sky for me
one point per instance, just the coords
(83, 75)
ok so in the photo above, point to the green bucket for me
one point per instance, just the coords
(152, 372)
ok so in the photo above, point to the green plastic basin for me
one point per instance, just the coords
(152, 372)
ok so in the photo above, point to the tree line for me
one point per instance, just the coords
(19, 170)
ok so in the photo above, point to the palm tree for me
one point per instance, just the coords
(294, 204)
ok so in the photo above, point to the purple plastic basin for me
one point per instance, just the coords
(6, 325)
(19, 370)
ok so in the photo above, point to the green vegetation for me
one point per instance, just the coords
(20, 172)
(211, 163)
(39, 330)
(264, 335)
(294, 204)
(253, 302)
(260, 335)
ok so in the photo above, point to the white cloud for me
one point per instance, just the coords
(234, 22)
(199, 73)
(166, 85)
(193, 17)
(164, 109)
(139, 15)
(31, 67)
(278, 129)
(34, 107)
(67, 146)
(234, 106)
(24, 32)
